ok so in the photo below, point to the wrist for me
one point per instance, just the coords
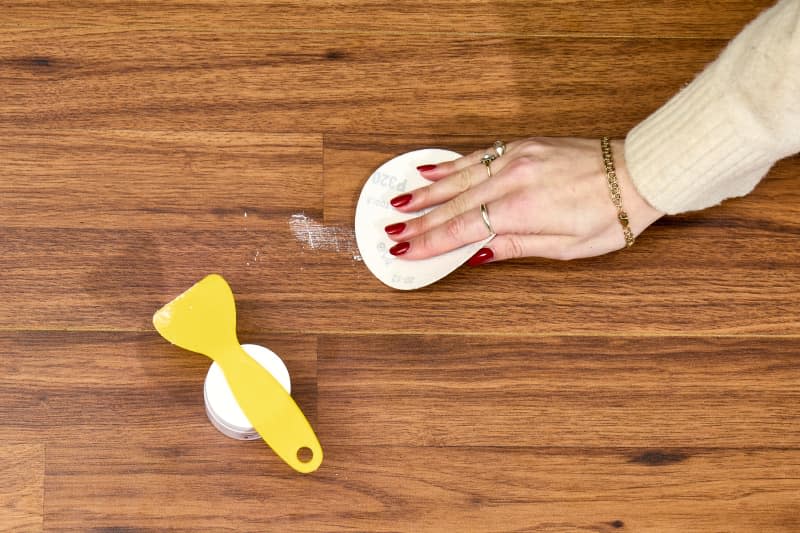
(640, 213)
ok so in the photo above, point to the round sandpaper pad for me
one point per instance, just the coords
(374, 213)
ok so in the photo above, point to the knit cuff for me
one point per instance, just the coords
(691, 153)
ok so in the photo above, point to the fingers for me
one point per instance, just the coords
(514, 209)
(513, 246)
(459, 205)
(447, 187)
(546, 198)
(435, 172)
(450, 179)
(560, 247)
(458, 230)
(501, 248)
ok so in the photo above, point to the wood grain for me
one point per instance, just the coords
(475, 17)
(21, 486)
(109, 387)
(154, 180)
(392, 488)
(520, 391)
(555, 435)
(145, 145)
(331, 83)
(115, 279)
(150, 212)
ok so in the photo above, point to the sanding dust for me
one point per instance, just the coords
(316, 236)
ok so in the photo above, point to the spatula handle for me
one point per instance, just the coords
(272, 411)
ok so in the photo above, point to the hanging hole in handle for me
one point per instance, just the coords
(305, 454)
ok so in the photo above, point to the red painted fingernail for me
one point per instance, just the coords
(482, 256)
(425, 168)
(394, 229)
(400, 248)
(400, 201)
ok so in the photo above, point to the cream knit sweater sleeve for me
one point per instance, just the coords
(719, 136)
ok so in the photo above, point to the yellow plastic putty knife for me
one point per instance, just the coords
(203, 320)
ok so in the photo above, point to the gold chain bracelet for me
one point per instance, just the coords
(616, 194)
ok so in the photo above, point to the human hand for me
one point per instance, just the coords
(547, 197)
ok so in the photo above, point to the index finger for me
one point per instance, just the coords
(463, 229)
(435, 172)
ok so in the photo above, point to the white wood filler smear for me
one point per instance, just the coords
(316, 236)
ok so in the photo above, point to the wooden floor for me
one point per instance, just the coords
(145, 145)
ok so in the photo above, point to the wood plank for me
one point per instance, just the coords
(107, 388)
(616, 432)
(349, 160)
(123, 221)
(23, 396)
(443, 390)
(156, 180)
(391, 488)
(115, 279)
(352, 83)
(21, 487)
(660, 18)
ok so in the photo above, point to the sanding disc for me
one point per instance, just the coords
(374, 213)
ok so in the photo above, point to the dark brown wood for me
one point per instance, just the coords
(442, 83)
(118, 220)
(429, 489)
(583, 431)
(663, 18)
(21, 486)
(559, 391)
(143, 146)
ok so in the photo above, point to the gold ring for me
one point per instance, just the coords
(485, 215)
(487, 161)
(499, 148)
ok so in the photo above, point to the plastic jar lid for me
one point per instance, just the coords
(221, 407)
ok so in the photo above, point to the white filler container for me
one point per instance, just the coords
(221, 407)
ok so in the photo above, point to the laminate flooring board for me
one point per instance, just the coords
(653, 435)
(350, 159)
(112, 387)
(156, 181)
(24, 401)
(21, 486)
(216, 487)
(103, 227)
(116, 279)
(332, 83)
(669, 19)
(639, 392)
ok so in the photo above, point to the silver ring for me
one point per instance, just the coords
(485, 215)
(499, 148)
(487, 161)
